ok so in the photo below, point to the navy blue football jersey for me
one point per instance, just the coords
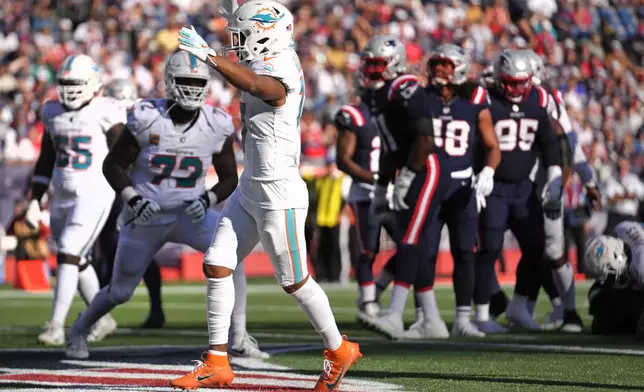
(455, 124)
(356, 119)
(524, 132)
(387, 106)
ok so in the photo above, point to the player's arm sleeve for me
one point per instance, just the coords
(122, 154)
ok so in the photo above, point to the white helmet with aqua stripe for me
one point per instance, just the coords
(187, 80)
(78, 81)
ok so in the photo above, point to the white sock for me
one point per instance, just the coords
(427, 302)
(565, 282)
(367, 292)
(66, 284)
(88, 285)
(99, 307)
(382, 282)
(314, 302)
(531, 305)
(398, 299)
(556, 302)
(482, 312)
(238, 320)
(219, 353)
(462, 315)
(220, 300)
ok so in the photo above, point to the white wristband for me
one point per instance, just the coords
(128, 193)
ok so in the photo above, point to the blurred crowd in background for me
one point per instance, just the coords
(594, 48)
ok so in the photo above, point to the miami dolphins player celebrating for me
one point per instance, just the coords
(270, 203)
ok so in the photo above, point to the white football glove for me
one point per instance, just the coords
(191, 42)
(143, 209)
(553, 189)
(484, 182)
(401, 187)
(197, 208)
(379, 207)
(480, 201)
(33, 215)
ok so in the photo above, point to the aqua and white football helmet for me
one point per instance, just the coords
(187, 80)
(123, 90)
(259, 28)
(78, 81)
(605, 256)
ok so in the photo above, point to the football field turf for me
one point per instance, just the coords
(138, 360)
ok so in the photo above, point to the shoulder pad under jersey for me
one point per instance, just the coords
(349, 117)
(403, 87)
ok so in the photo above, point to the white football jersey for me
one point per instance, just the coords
(81, 145)
(271, 137)
(173, 160)
(632, 233)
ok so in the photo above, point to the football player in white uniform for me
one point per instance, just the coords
(126, 93)
(616, 300)
(169, 144)
(270, 203)
(79, 126)
(561, 280)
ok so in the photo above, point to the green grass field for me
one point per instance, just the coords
(518, 361)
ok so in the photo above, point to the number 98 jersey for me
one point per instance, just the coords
(79, 139)
(173, 160)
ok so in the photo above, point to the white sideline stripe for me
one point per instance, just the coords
(191, 289)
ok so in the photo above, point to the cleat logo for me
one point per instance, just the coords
(200, 379)
(332, 386)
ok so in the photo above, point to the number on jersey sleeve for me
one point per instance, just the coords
(456, 136)
(80, 157)
(513, 133)
(167, 163)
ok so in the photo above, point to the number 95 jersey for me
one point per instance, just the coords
(81, 146)
(174, 159)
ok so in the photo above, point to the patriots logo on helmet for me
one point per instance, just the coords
(266, 18)
(390, 42)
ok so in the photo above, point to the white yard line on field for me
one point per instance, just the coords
(261, 288)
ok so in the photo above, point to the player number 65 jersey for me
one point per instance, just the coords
(81, 145)
(173, 161)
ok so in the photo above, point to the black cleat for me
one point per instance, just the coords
(154, 321)
(572, 322)
(498, 304)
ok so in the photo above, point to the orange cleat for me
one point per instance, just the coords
(212, 371)
(336, 364)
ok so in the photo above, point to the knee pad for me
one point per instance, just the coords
(223, 249)
(554, 249)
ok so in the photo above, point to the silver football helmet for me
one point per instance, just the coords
(187, 80)
(383, 58)
(460, 64)
(605, 256)
(513, 74)
(487, 76)
(538, 67)
(123, 90)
